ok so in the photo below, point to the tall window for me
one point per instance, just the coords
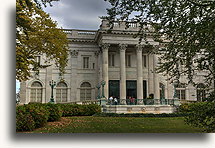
(85, 62)
(111, 60)
(128, 60)
(85, 91)
(37, 59)
(144, 61)
(180, 91)
(201, 95)
(61, 92)
(36, 92)
(162, 90)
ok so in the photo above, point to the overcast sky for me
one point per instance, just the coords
(78, 14)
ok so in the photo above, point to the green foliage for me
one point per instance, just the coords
(39, 113)
(37, 34)
(79, 110)
(36, 115)
(200, 115)
(24, 119)
(184, 108)
(185, 28)
(55, 112)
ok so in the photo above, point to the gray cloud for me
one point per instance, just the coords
(78, 14)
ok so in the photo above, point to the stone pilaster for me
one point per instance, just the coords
(47, 86)
(139, 49)
(105, 48)
(122, 48)
(23, 91)
(74, 76)
(150, 74)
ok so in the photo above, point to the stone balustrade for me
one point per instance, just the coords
(124, 26)
(83, 34)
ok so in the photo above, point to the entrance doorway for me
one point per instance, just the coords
(131, 90)
(114, 88)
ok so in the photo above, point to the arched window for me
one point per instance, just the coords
(61, 92)
(200, 92)
(180, 91)
(85, 91)
(36, 92)
(162, 90)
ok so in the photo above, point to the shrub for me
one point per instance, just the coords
(24, 120)
(202, 115)
(184, 108)
(55, 112)
(79, 110)
(39, 113)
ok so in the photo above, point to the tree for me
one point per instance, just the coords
(37, 34)
(185, 28)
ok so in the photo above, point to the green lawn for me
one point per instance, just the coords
(89, 124)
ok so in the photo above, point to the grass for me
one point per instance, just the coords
(89, 124)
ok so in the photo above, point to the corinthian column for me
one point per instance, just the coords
(122, 48)
(139, 49)
(105, 48)
(156, 79)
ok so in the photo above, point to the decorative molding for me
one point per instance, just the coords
(105, 46)
(97, 53)
(139, 48)
(123, 47)
(74, 53)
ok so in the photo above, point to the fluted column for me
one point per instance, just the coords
(122, 48)
(156, 79)
(105, 48)
(139, 49)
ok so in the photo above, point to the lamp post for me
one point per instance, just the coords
(52, 84)
(98, 87)
(103, 84)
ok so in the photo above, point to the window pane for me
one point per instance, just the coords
(129, 60)
(112, 60)
(33, 95)
(39, 95)
(178, 94)
(85, 62)
(144, 60)
(182, 94)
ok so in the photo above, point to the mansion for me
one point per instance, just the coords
(116, 58)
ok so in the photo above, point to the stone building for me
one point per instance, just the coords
(113, 57)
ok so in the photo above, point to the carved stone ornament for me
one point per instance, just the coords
(97, 53)
(74, 53)
(139, 48)
(123, 47)
(105, 46)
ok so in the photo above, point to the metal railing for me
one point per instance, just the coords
(144, 102)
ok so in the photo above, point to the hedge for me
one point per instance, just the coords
(24, 119)
(79, 110)
(35, 115)
(200, 114)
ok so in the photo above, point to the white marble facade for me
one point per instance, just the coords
(113, 57)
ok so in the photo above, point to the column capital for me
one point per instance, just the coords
(105, 46)
(139, 48)
(123, 47)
